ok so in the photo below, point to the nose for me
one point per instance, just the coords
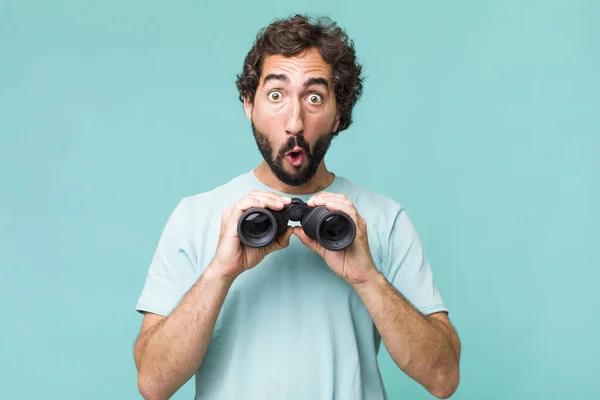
(295, 119)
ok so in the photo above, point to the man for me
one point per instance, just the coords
(292, 320)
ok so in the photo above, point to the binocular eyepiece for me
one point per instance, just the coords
(334, 230)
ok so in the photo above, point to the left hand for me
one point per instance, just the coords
(355, 263)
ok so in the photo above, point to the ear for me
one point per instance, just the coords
(337, 122)
(248, 107)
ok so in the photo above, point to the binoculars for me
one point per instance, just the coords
(334, 230)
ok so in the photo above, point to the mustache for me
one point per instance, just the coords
(294, 141)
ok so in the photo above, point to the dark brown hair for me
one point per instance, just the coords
(291, 36)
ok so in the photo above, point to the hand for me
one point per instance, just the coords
(355, 263)
(232, 256)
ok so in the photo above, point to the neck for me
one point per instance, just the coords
(322, 179)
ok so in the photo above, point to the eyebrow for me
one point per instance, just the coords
(317, 81)
(309, 82)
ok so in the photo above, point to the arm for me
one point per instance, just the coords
(169, 351)
(426, 348)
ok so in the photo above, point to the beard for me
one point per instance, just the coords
(302, 174)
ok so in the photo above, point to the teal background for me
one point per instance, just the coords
(480, 117)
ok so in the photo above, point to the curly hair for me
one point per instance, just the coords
(290, 37)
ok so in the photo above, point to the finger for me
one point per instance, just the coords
(245, 203)
(308, 241)
(284, 199)
(280, 242)
(322, 200)
(318, 198)
(268, 201)
(343, 207)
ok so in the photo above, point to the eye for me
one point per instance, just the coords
(275, 96)
(314, 98)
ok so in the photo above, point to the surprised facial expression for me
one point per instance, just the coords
(294, 114)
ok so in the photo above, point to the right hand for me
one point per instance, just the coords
(232, 256)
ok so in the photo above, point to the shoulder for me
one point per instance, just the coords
(374, 207)
(385, 217)
(217, 198)
(201, 211)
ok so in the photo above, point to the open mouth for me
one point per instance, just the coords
(295, 156)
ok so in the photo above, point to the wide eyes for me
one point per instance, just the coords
(275, 96)
(313, 98)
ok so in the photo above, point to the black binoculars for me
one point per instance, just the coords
(334, 230)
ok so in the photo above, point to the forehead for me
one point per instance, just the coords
(306, 64)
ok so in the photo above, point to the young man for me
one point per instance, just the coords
(292, 320)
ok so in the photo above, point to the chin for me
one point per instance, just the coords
(296, 169)
(292, 176)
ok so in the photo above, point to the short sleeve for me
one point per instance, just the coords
(172, 270)
(408, 268)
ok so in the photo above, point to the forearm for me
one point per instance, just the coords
(422, 348)
(172, 350)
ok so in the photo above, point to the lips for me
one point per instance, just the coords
(294, 150)
(295, 156)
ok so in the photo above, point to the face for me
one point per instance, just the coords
(294, 115)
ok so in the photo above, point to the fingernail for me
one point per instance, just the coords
(279, 203)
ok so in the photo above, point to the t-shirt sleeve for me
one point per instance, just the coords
(408, 268)
(172, 270)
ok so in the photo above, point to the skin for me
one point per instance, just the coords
(169, 350)
(284, 110)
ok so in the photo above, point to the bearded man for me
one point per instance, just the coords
(299, 314)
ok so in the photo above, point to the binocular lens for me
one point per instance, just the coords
(336, 232)
(257, 229)
(256, 225)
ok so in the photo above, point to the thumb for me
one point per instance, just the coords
(280, 242)
(304, 238)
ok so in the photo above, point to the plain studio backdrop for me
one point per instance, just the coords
(480, 117)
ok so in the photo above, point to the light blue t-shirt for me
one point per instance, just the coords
(290, 328)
